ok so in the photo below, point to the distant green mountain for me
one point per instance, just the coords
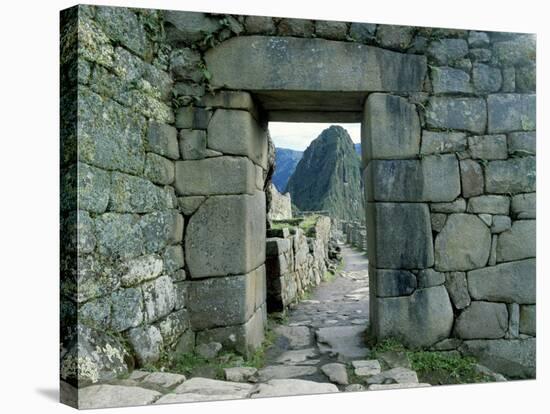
(328, 177)
(285, 164)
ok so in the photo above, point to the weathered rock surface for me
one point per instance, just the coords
(421, 319)
(466, 114)
(507, 282)
(285, 371)
(401, 236)
(397, 375)
(482, 320)
(226, 235)
(513, 358)
(107, 396)
(233, 66)
(277, 387)
(517, 243)
(336, 373)
(463, 244)
(394, 283)
(392, 128)
(344, 341)
(366, 368)
(514, 175)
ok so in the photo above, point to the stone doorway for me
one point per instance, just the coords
(315, 80)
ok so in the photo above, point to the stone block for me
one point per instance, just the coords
(119, 235)
(445, 51)
(524, 206)
(457, 287)
(463, 244)
(135, 271)
(528, 320)
(515, 175)
(526, 78)
(438, 221)
(191, 117)
(180, 293)
(517, 243)
(486, 78)
(488, 147)
(466, 114)
(487, 219)
(131, 194)
(489, 204)
(188, 27)
(224, 301)
(173, 326)
(399, 235)
(505, 282)
(192, 144)
(362, 32)
(484, 55)
(83, 362)
(394, 37)
(518, 50)
(429, 278)
(226, 235)
(331, 30)
(160, 229)
(478, 39)
(236, 132)
(442, 142)
(158, 169)
(413, 180)
(500, 224)
(243, 338)
(450, 80)
(457, 206)
(230, 100)
(509, 112)
(188, 205)
(158, 298)
(215, 176)
(162, 139)
(96, 312)
(508, 79)
(109, 135)
(146, 342)
(123, 26)
(513, 321)
(296, 27)
(514, 358)
(471, 177)
(94, 278)
(185, 64)
(482, 320)
(276, 246)
(522, 143)
(173, 258)
(418, 320)
(259, 25)
(247, 62)
(92, 188)
(390, 129)
(127, 309)
(394, 283)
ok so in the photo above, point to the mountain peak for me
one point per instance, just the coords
(328, 177)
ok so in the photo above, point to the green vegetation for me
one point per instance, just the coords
(191, 364)
(306, 223)
(435, 367)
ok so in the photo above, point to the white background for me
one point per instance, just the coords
(29, 204)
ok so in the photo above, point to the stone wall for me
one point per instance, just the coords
(295, 262)
(164, 161)
(450, 182)
(160, 202)
(355, 234)
(280, 207)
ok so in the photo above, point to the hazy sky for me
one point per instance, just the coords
(297, 136)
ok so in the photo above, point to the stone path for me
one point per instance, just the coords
(321, 342)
